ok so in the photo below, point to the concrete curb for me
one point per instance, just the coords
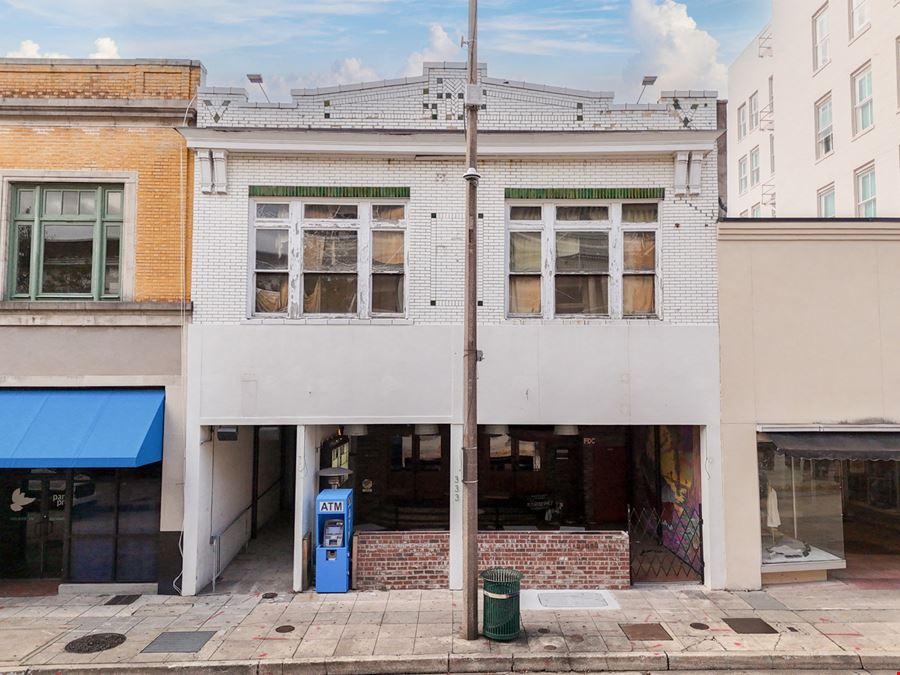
(494, 663)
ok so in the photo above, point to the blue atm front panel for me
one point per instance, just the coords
(334, 531)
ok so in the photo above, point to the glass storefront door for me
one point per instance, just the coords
(32, 524)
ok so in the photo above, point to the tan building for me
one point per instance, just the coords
(810, 328)
(95, 229)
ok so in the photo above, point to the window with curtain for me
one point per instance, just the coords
(525, 262)
(388, 271)
(329, 271)
(639, 275)
(66, 241)
(271, 259)
(582, 273)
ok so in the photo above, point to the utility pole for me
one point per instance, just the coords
(470, 349)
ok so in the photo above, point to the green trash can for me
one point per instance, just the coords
(501, 604)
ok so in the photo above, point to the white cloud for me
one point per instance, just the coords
(671, 46)
(106, 49)
(350, 70)
(441, 47)
(29, 49)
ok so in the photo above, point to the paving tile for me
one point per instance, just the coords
(355, 647)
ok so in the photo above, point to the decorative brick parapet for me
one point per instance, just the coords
(420, 560)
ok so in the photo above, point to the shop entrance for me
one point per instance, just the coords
(32, 526)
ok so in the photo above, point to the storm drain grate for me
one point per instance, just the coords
(750, 626)
(121, 599)
(98, 642)
(181, 642)
(641, 632)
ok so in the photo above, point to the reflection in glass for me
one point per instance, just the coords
(582, 294)
(273, 211)
(92, 558)
(132, 562)
(87, 203)
(113, 203)
(70, 203)
(640, 213)
(582, 213)
(329, 251)
(387, 293)
(26, 202)
(430, 453)
(68, 254)
(329, 293)
(525, 213)
(271, 249)
(113, 246)
(582, 252)
(23, 257)
(525, 252)
(801, 509)
(330, 212)
(52, 202)
(387, 251)
(271, 293)
(388, 213)
(501, 453)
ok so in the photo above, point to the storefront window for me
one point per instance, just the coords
(801, 510)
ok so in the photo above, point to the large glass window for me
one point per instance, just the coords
(271, 258)
(66, 242)
(388, 271)
(525, 260)
(329, 271)
(639, 278)
(824, 128)
(800, 510)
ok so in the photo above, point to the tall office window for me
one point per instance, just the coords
(863, 105)
(824, 128)
(821, 38)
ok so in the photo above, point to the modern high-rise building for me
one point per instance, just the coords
(813, 125)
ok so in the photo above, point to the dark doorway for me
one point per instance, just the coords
(32, 528)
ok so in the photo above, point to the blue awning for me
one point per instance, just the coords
(80, 428)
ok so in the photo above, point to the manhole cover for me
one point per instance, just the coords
(549, 648)
(181, 642)
(121, 599)
(699, 626)
(543, 630)
(269, 596)
(750, 626)
(575, 638)
(640, 632)
(98, 642)
(284, 629)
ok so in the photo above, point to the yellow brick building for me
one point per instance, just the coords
(95, 250)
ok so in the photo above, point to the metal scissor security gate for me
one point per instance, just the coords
(666, 546)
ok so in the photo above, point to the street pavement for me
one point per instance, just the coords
(832, 626)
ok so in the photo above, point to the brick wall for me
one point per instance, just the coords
(86, 80)
(164, 168)
(419, 560)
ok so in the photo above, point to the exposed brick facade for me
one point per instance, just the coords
(75, 79)
(420, 560)
(38, 139)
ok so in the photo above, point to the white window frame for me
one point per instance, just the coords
(753, 105)
(820, 200)
(754, 167)
(859, 105)
(821, 40)
(756, 210)
(821, 134)
(388, 226)
(364, 225)
(859, 9)
(742, 121)
(859, 174)
(613, 227)
(743, 174)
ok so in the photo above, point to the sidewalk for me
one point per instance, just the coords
(820, 627)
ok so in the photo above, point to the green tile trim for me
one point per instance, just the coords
(586, 193)
(336, 192)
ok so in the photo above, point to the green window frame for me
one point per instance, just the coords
(49, 223)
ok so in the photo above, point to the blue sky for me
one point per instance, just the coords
(590, 44)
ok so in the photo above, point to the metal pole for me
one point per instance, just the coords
(470, 353)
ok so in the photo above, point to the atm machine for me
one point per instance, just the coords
(334, 530)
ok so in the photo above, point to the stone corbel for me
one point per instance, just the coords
(220, 171)
(681, 172)
(204, 161)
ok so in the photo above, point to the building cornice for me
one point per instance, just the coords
(174, 111)
(431, 144)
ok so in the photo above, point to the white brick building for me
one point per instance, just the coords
(328, 287)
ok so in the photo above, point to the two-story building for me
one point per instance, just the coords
(95, 221)
(328, 286)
